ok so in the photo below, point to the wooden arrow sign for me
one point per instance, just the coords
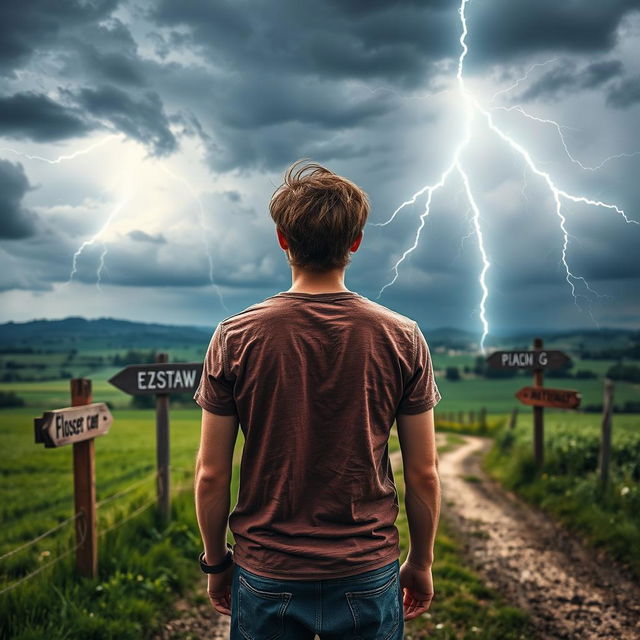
(528, 360)
(73, 424)
(161, 378)
(548, 397)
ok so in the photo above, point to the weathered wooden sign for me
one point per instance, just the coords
(160, 378)
(548, 397)
(528, 360)
(72, 424)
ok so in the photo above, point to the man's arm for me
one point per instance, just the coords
(416, 433)
(214, 466)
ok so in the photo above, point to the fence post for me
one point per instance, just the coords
(538, 412)
(461, 417)
(514, 418)
(472, 417)
(162, 450)
(483, 418)
(605, 442)
(84, 481)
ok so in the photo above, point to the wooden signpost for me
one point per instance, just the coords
(548, 397)
(160, 379)
(536, 359)
(71, 425)
(538, 396)
(79, 425)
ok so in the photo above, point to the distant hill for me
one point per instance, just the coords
(60, 335)
(111, 333)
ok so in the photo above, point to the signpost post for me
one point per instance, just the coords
(605, 439)
(79, 425)
(162, 449)
(160, 380)
(537, 396)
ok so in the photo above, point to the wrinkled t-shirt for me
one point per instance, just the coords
(316, 381)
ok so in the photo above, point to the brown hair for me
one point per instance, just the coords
(320, 214)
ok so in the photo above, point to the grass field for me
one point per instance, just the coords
(143, 568)
(498, 396)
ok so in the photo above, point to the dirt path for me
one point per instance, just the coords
(571, 592)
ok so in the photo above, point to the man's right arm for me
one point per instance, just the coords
(416, 433)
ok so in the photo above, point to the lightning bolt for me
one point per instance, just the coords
(558, 127)
(116, 210)
(205, 231)
(95, 238)
(522, 79)
(60, 159)
(472, 109)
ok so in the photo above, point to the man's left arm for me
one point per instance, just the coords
(214, 466)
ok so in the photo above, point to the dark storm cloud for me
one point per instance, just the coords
(504, 28)
(106, 53)
(140, 236)
(28, 26)
(566, 77)
(36, 117)
(396, 42)
(625, 93)
(142, 118)
(15, 220)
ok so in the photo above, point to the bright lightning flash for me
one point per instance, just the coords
(473, 110)
(122, 202)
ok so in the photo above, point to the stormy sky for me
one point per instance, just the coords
(140, 143)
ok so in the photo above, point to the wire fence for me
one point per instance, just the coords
(28, 576)
(40, 537)
(83, 525)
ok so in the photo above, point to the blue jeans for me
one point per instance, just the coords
(367, 606)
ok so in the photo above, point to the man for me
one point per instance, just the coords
(315, 377)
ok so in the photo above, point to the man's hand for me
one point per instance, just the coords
(219, 588)
(418, 590)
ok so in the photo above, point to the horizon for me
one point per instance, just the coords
(517, 334)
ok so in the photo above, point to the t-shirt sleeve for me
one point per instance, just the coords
(420, 392)
(215, 391)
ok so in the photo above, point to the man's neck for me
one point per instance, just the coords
(307, 282)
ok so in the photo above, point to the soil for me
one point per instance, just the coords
(571, 591)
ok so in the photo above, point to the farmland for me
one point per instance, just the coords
(134, 592)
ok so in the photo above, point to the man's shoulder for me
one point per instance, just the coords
(387, 315)
(248, 313)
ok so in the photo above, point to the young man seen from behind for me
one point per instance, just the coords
(315, 377)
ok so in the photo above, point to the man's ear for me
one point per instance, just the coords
(282, 241)
(357, 241)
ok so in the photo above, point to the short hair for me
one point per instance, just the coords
(320, 214)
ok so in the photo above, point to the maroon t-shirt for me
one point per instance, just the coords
(316, 381)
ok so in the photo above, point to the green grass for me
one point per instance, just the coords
(568, 485)
(469, 394)
(498, 395)
(143, 569)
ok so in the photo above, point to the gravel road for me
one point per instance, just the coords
(571, 591)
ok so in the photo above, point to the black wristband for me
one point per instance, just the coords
(217, 568)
